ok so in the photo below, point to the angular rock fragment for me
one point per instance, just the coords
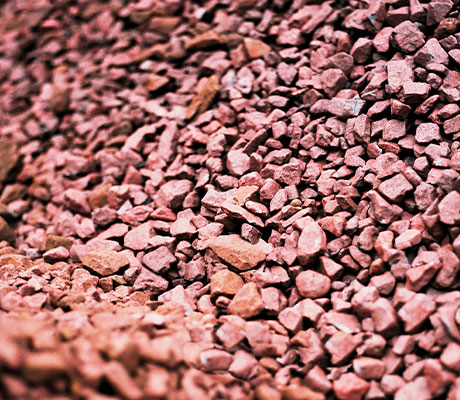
(256, 48)
(431, 52)
(238, 253)
(449, 209)
(104, 261)
(204, 98)
(407, 37)
(312, 242)
(247, 302)
(159, 260)
(416, 311)
(225, 282)
(350, 387)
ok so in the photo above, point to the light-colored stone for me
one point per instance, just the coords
(239, 253)
(105, 262)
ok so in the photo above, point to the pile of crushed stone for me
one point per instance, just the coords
(229, 199)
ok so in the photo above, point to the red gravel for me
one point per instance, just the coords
(219, 199)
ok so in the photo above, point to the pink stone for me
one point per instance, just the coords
(310, 310)
(350, 387)
(330, 268)
(215, 360)
(380, 210)
(104, 216)
(424, 268)
(437, 10)
(159, 260)
(427, 132)
(431, 52)
(121, 381)
(290, 174)
(244, 365)
(77, 200)
(407, 37)
(347, 323)
(416, 390)
(182, 227)
(138, 238)
(237, 163)
(240, 213)
(369, 368)
(172, 193)
(438, 379)
(381, 40)
(312, 284)
(333, 81)
(394, 129)
(449, 269)
(415, 92)
(340, 346)
(391, 383)
(291, 319)
(312, 242)
(416, 311)
(230, 334)
(398, 72)
(384, 316)
(115, 231)
(452, 125)
(361, 50)
(449, 208)
(342, 61)
(135, 140)
(450, 356)
(291, 37)
(384, 283)
(269, 189)
(57, 254)
(395, 188)
(317, 380)
(274, 300)
(408, 239)
(363, 301)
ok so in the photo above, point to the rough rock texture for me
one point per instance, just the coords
(218, 199)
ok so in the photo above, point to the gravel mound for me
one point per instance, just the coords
(229, 199)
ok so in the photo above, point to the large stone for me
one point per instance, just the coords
(312, 284)
(238, 253)
(431, 52)
(449, 208)
(104, 261)
(312, 242)
(407, 37)
(395, 188)
(350, 387)
(416, 311)
(247, 302)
